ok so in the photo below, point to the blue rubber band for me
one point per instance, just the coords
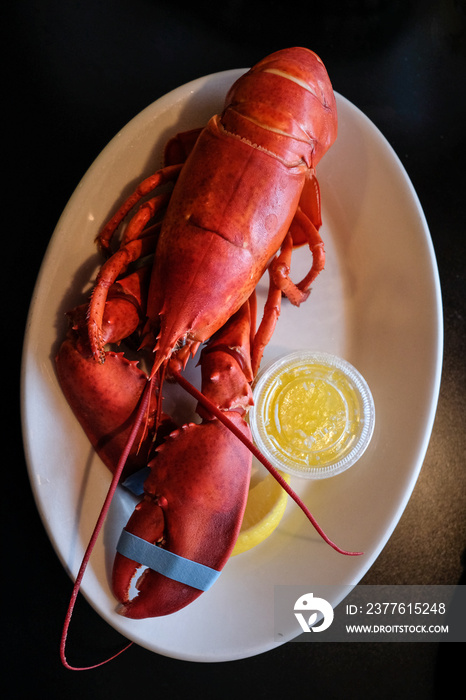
(135, 482)
(164, 562)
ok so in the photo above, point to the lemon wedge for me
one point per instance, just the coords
(264, 509)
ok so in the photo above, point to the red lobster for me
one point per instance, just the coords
(244, 195)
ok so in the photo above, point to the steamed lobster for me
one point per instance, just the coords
(243, 195)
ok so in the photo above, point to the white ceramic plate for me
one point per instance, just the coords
(377, 304)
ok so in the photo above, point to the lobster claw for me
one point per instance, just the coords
(208, 490)
(200, 475)
(104, 397)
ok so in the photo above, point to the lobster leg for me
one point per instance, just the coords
(200, 475)
(270, 315)
(316, 247)
(310, 205)
(116, 265)
(303, 229)
(280, 283)
(168, 174)
(180, 146)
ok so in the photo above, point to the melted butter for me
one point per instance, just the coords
(311, 415)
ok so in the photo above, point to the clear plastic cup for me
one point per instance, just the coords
(313, 414)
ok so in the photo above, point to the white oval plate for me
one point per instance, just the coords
(377, 304)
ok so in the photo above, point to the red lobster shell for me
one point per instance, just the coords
(244, 195)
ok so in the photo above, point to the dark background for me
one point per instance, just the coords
(74, 73)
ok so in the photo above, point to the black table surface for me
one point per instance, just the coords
(75, 73)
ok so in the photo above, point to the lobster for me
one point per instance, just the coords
(231, 203)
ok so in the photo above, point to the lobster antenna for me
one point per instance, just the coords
(144, 403)
(206, 403)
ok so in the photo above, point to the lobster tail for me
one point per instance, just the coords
(285, 104)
